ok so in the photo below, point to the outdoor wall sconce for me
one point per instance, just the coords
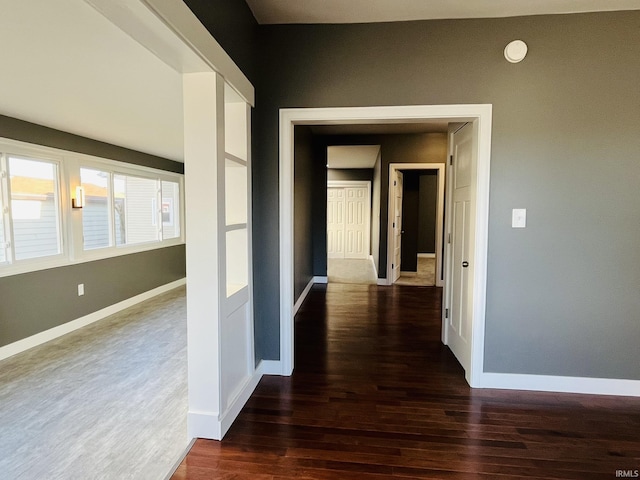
(515, 51)
(78, 200)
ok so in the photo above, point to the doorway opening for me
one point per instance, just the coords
(398, 229)
(479, 116)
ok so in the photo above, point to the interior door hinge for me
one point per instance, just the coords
(449, 238)
(446, 313)
(450, 159)
(394, 183)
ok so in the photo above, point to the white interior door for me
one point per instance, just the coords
(461, 254)
(348, 219)
(335, 222)
(356, 222)
(397, 225)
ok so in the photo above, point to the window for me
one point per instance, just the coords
(3, 241)
(135, 200)
(127, 208)
(96, 214)
(170, 210)
(34, 208)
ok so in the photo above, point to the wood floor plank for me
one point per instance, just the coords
(375, 395)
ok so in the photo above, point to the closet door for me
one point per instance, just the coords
(335, 222)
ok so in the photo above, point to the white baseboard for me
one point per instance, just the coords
(233, 410)
(547, 383)
(55, 332)
(204, 425)
(305, 292)
(271, 367)
(302, 296)
(382, 281)
(213, 425)
(426, 255)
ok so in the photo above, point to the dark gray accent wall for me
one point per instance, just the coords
(37, 301)
(410, 221)
(234, 27)
(562, 294)
(428, 204)
(303, 210)
(363, 174)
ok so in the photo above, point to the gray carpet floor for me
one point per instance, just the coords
(425, 276)
(108, 401)
(351, 270)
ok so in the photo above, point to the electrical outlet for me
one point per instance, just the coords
(80, 289)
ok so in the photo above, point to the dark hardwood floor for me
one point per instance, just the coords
(375, 395)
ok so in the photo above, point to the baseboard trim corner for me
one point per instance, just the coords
(382, 281)
(306, 290)
(68, 327)
(426, 255)
(550, 383)
(204, 425)
(270, 367)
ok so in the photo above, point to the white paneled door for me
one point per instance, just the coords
(462, 263)
(348, 220)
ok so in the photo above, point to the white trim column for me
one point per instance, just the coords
(203, 132)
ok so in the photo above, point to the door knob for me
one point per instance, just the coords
(465, 264)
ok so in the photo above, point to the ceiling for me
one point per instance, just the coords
(67, 67)
(366, 11)
(352, 156)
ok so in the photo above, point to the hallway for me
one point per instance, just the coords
(375, 395)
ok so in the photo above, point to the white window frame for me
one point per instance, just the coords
(71, 229)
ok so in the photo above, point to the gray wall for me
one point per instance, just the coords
(562, 294)
(36, 301)
(364, 174)
(303, 210)
(428, 204)
(232, 24)
(33, 302)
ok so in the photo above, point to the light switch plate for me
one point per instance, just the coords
(80, 289)
(519, 218)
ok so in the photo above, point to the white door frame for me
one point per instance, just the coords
(358, 183)
(480, 115)
(440, 168)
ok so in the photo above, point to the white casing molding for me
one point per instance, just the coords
(440, 168)
(549, 383)
(55, 332)
(481, 114)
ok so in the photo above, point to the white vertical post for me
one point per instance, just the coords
(204, 146)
